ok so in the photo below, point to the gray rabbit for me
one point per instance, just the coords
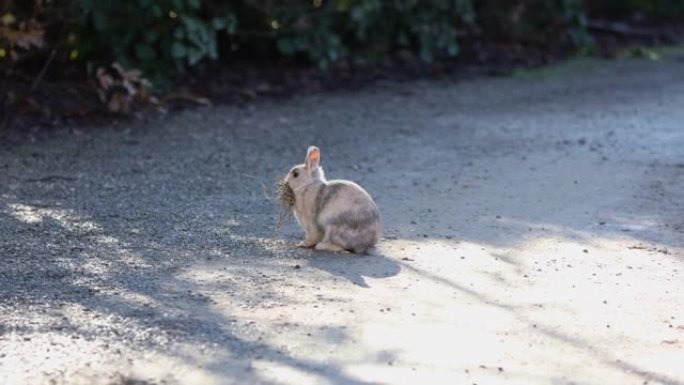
(336, 215)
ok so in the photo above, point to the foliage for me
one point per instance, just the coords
(546, 22)
(647, 8)
(327, 32)
(152, 35)
(165, 37)
(162, 37)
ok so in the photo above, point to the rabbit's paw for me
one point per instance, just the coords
(305, 244)
(330, 247)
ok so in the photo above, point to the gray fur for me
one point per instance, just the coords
(353, 239)
(355, 220)
(325, 194)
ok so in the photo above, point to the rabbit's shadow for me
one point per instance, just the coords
(355, 267)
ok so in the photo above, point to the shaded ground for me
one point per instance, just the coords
(533, 234)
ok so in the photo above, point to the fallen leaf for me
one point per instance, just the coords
(30, 35)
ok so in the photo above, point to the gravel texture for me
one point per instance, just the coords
(534, 233)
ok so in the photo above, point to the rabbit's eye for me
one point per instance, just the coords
(295, 173)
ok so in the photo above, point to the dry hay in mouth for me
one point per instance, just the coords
(285, 196)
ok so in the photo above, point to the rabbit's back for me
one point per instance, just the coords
(348, 214)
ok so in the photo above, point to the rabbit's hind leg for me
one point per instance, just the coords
(326, 244)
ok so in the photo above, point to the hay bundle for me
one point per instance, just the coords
(285, 196)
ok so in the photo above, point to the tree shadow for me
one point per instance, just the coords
(603, 356)
(57, 254)
(136, 290)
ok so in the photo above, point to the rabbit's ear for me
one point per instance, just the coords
(313, 157)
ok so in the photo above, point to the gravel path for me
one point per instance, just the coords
(534, 234)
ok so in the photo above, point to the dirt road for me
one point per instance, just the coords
(534, 234)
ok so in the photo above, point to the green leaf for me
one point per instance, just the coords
(100, 21)
(191, 23)
(453, 49)
(200, 37)
(151, 36)
(333, 55)
(195, 4)
(145, 52)
(218, 23)
(212, 50)
(194, 55)
(179, 33)
(286, 46)
(157, 12)
(357, 14)
(231, 24)
(178, 50)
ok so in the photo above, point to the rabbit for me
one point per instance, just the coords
(336, 215)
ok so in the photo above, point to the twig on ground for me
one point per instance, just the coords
(43, 70)
(619, 28)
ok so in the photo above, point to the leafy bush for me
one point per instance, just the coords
(164, 37)
(546, 22)
(370, 28)
(159, 35)
(647, 8)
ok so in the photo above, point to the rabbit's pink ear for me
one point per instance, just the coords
(313, 157)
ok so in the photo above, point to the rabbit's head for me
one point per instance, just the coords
(307, 173)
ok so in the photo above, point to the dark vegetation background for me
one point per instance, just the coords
(90, 60)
